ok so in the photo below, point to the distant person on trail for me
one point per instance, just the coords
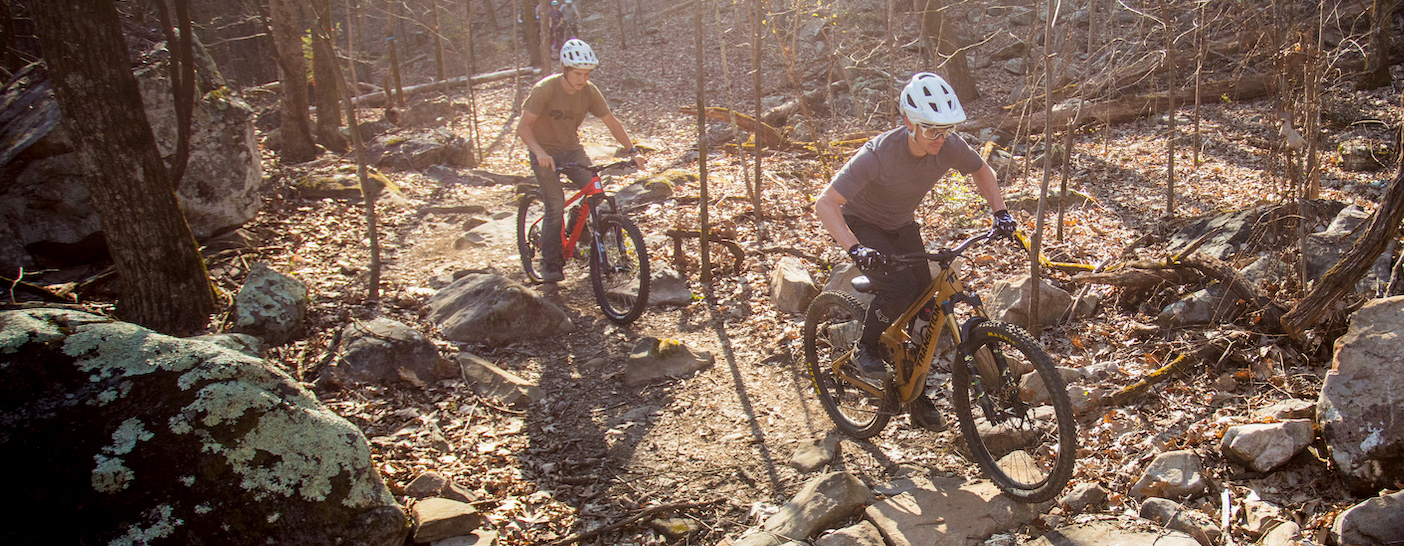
(571, 12)
(550, 127)
(869, 208)
(557, 28)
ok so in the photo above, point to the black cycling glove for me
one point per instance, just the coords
(866, 258)
(1004, 224)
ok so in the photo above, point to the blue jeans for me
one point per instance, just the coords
(893, 291)
(549, 181)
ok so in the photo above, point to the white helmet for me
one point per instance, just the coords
(929, 100)
(577, 54)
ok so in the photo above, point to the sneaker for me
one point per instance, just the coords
(551, 277)
(870, 363)
(925, 415)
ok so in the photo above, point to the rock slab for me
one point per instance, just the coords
(137, 437)
(947, 511)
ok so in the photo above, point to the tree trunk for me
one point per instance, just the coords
(1377, 57)
(1170, 115)
(947, 45)
(324, 78)
(438, 41)
(1342, 277)
(296, 129)
(703, 230)
(532, 33)
(757, 17)
(163, 279)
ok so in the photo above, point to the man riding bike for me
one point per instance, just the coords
(550, 128)
(869, 208)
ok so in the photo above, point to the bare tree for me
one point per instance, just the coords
(324, 78)
(296, 130)
(702, 228)
(947, 46)
(163, 279)
(1377, 57)
(1170, 110)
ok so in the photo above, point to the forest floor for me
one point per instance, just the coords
(594, 451)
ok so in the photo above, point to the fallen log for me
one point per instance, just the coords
(779, 114)
(766, 136)
(378, 98)
(1130, 108)
(1180, 365)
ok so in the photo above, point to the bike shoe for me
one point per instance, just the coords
(870, 363)
(925, 415)
(552, 277)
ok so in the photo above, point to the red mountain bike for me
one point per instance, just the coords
(618, 257)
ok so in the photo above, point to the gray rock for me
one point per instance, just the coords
(1011, 51)
(1009, 301)
(824, 500)
(1264, 447)
(476, 538)
(438, 519)
(1361, 406)
(1292, 408)
(1100, 533)
(243, 343)
(418, 150)
(643, 192)
(1324, 249)
(1085, 497)
(653, 359)
(675, 528)
(1015, 66)
(791, 286)
(177, 440)
(668, 287)
(864, 533)
(1032, 387)
(1174, 516)
(1258, 229)
(496, 383)
(1260, 517)
(495, 232)
(947, 511)
(841, 280)
(1287, 533)
(270, 306)
(1022, 16)
(1268, 270)
(490, 308)
(428, 484)
(1365, 154)
(384, 351)
(1374, 521)
(434, 112)
(815, 453)
(1212, 305)
(1172, 475)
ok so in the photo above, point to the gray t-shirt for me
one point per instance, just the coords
(884, 183)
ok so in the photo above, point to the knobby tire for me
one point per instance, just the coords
(619, 269)
(1026, 444)
(831, 326)
(530, 209)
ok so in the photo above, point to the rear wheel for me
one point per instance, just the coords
(619, 269)
(530, 210)
(831, 326)
(1025, 442)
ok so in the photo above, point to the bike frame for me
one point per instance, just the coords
(568, 240)
(910, 370)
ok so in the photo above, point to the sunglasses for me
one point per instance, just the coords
(932, 132)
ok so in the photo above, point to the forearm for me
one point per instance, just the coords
(617, 129)
(988, 186)
(524, 132)
(830, 212)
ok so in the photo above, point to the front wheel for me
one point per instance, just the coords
(530, 210)
(831, 326)
(619, 269)
(1026, 442)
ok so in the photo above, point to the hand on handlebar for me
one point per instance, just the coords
(866, 258)
(1004, 225)
(545, 161)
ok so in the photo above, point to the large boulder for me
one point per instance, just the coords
(1253, 230)
(1361, 406)
(1009, 301)
(418, 150)
(270, 306)
(1323, 249)
(135, 437)
(45, 208)
(487, 307)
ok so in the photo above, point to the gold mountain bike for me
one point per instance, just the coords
(1022, 433)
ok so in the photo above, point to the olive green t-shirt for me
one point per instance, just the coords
(559, 114)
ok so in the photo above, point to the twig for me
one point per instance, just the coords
(649, 512)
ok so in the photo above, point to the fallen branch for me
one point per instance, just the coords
(649, 512)
(378, 99)
(1179, 365)
(766, 136)
(36, 290)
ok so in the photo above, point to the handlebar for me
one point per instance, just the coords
(594, 168)
(945, 255)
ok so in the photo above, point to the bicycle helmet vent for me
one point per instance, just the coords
(577, 54)
(929, 100)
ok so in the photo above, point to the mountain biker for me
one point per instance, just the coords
(557, 18)
(869, 207)
(571, 12)
(550, 128)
